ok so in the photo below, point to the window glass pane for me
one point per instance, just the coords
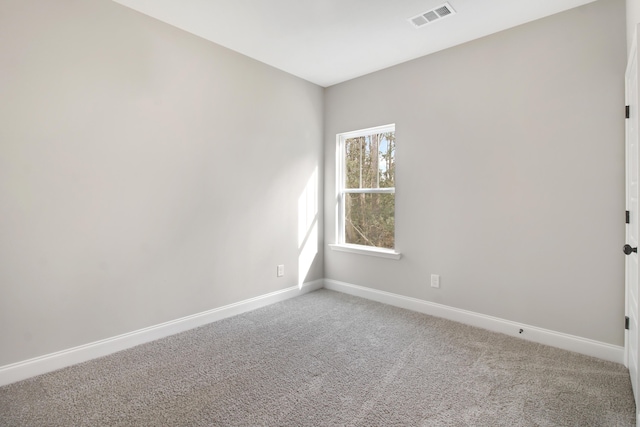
(369, 219)
(387, 160)
(370, 161)
(353, 161)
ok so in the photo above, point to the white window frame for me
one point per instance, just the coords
(341, 192)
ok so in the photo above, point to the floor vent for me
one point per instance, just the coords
(432, 15)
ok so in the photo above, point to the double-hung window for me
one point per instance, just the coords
(366, 191)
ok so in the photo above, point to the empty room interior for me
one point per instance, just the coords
(185, 200)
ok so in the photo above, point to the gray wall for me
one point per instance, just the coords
(145, 174)
(633, 19)
(510, 173)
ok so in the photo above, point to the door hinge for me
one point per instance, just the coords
(626, 112)
(626, 322)
(627, 219)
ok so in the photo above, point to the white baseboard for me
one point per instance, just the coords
(574, 343)
(61, 359)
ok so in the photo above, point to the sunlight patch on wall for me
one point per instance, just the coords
(307, 227)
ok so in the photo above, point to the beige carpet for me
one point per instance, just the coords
(329, 359)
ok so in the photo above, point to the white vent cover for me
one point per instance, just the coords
(432, 15)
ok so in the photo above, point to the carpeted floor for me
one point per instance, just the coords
(329, 359)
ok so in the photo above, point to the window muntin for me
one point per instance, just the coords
(366, 187)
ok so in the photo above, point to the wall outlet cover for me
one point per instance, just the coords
(435, 281)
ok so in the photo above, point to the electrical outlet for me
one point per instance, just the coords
(280, 270)
(435, 281)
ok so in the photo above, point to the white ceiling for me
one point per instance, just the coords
(330, 41)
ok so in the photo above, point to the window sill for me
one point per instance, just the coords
(366, 250)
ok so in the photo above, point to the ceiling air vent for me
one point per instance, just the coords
(432, 15)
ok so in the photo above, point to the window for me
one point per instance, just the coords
(366, 190)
